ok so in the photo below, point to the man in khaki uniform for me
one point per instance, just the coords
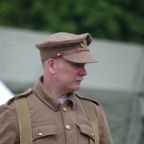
(57, 115)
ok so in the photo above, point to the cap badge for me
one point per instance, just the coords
(84, 43)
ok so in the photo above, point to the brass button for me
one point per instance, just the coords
(64, 109)
(92, 134)
(40, 134)
(58, 54)
(68, 127)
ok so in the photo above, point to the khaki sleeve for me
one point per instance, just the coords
(8, 127)
(105, 136)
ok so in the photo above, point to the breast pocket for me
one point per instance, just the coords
(44, 134)
(86, 134)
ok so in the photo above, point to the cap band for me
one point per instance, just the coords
(72, 51)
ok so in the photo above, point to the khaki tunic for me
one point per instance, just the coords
(52, 122)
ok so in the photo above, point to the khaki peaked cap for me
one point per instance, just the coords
(71, 47)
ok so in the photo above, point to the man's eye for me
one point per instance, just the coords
(74, 65)
(77, 65)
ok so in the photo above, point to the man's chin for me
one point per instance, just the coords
(76, 88)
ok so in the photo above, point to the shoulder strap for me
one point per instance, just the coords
(23, 121)
(91, 113)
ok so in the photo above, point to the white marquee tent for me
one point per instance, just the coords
(5, 93)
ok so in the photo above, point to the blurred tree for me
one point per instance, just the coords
(107, 19)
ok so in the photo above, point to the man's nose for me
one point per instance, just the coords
(83, 71)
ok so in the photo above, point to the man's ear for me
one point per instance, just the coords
(50, 65)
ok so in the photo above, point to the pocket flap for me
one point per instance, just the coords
(42, 131)
(87, 130)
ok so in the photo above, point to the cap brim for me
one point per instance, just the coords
(80, 57)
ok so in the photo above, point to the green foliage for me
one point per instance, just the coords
(107, 19)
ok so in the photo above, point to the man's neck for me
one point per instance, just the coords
(52, 89)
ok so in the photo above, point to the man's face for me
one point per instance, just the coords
(69, 75)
